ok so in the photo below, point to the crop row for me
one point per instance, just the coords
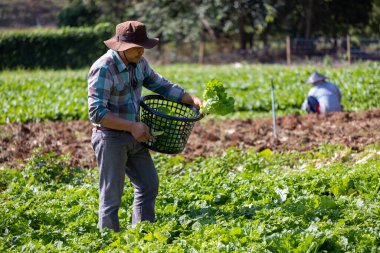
(325, 200)
(62, 95)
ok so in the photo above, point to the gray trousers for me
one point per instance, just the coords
(119, 154)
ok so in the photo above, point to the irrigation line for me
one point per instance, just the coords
(273, 110)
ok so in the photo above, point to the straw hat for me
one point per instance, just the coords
(130, 34)
(315, 77)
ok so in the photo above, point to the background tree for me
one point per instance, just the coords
(373, 27)
(79, 13)
(192, 20)
(29, 13)
(224, 26)
(113, 10)
(312, 18)
(244, 19)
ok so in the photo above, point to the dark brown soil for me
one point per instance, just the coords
(209, 137)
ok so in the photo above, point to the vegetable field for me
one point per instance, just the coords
(239, 202)
(235, 188)
(61, 95)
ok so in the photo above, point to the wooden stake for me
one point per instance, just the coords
(348, 49)
(288, 52)
(201, 52)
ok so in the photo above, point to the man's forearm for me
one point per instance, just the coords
(117, 123)
(187, 99)
(192, 100)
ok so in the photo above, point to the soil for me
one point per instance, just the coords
(209, 137)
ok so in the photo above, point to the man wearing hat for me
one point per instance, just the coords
(323, 96)
(114, 90)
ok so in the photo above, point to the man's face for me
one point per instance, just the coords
(134, 54)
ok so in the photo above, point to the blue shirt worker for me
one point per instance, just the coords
(323, 96)
(115, 84)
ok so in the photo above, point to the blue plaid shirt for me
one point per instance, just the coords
(115, 87)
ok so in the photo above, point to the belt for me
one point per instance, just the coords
(110, 129)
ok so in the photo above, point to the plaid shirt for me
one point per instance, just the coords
(115, 87)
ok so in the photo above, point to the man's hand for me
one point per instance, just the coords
(192, 100)
(197, 103)
(141, 132)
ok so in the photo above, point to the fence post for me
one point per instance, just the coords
(288, 52)
(348, 49)
(201, 52)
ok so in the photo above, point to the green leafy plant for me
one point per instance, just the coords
(241, 201)
(167, 111)
(24, 97)
(216, 99)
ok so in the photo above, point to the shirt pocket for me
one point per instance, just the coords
(126, 103)
(140, 80)
(139, 77)
(121, 87)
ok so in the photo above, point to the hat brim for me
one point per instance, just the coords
(314, 80)
(316, 77)
(122, 46)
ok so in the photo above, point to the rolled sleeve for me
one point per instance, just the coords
(156, 83)
(99, 89)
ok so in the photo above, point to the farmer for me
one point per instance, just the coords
(114, 89)
(323, 96)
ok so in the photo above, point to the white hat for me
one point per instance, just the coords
(315, 77)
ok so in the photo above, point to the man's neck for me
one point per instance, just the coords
(123, 58)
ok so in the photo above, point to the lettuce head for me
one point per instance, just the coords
(216, 100)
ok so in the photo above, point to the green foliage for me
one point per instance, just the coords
(189, 21)
(167, 111)
(241, 201)
(43, 95)
(68, 47)
(51, 172)
(62, 95)
(196, 21)
(340, 17)
(78, 13)
(216, 100)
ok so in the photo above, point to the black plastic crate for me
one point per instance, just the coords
(173, 120)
